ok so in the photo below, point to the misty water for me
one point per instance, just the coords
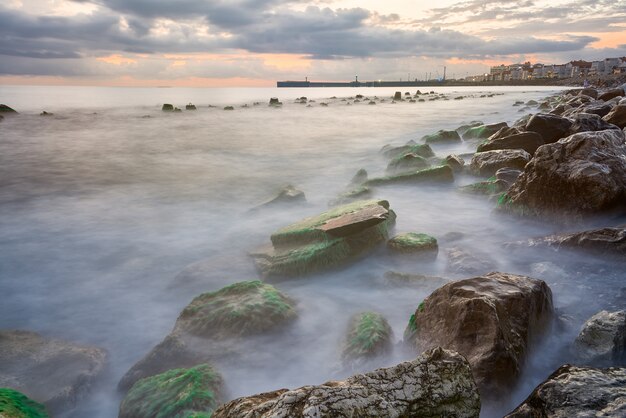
(114, 215)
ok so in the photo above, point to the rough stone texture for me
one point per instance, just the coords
(464, 262)
(414, 243)
(483, 131)
(587, 122)
(577, 392)
(215, 326)
(591, 92)
(463, 128)
(326, 240)
(489, 187)
(177, 393)
(53, 372)
(14, 404)
(423, 150)
(508, 175)
(442, 137)
(609, 242)
(611, 94)
(582, 174)
(601, 109)
(617, 116)
(441, 174)
(527, 141)
(492, 320)
(369, 335)
(455, 162)
(602, 340)
(436, 384)
(550, 127)
(488, 162)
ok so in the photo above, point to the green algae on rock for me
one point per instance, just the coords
(441, 174)
(483, 131)
(177, 393)
(327, 239)
(423, 150)
(407, 162)
(14, 404)
(369, 335)
(241, 309)
(412, 242)
(442, 137)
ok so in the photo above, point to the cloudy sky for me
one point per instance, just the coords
(255, 42)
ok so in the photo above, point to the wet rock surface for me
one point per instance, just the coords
(550, 127)
(488, 162)
(527, 141)
(437, 383)
(602, 340)
(369, 335)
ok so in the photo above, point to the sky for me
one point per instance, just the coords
(214, 43)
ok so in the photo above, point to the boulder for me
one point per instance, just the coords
(423, 150)
(609, 242)
(437, 383)
(229, 108)
(527, 141)
(455, 162)
(577, 392)
(464, 262)
(611, 94)
(591, 92)
(442, 137)
(580, 175)
(507, 176)
(414, 243)
(505, 132)
(602, 340)
(588, 122)
(440, 174)
(175, 393)
(488, 162)
(617, 116)
(463, 128)
(6, 109)
(407, 162)
(53, 372)
(215, 326)
(491, 320)
(483, 131)
(288, 194)
(167, 107)
(601, 109)
(326, 240)
(14, 404)
(368, 336)
(397, 96)
(550, 127)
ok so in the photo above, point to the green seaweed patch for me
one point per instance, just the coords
(177, 393)
(369, 335)
(14, 404)
(408, 162)
(420, 307)
(240, 309)
(306, 230)
(412, 242)
(411, 330)
(440, 174)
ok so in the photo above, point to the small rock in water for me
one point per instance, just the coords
(229, 108)
(167, 107)
(369, 335)
(288, 194)
(190, 106)
(6, 109)
(44, 113)
(397, 96)
(602, 340)
(414, 243)
(274, 102)
(464, 262)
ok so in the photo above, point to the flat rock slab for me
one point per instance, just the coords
(603, 241)
(436, 384)
(577, 392)
(351, 223)
(53, 372)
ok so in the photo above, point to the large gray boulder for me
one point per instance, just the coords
(488, 162)
(588, 122)
(491, 320)
(602, 340)
(53, 372)
(611, 94)
(582, 174)
(617, 116)
(437, 384)
(550, 127)
(577, 392)
(527, 141)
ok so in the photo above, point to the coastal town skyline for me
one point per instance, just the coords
(255, 42)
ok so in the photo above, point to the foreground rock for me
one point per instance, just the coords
(617, 116)
(608, 95)
(53, 372)
(580, 175)
(414, 243)
(214, 326)
(602, 340)
(588, 122)
(491, 320)
(369, 336)
(326, 240)
(488, 162)
(14, 404)
(550, 127)
(175, 393)
(437, 383)
(577, 392)
(604, 241)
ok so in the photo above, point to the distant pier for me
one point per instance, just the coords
(430, 83)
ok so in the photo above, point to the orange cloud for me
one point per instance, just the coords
(609, 39)
(117, 59)
(128, 81)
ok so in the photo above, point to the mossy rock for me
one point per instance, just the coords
(327, 239)
(14, 404)
(177, 393)
(412, 242)
(358, 193)
(369, 335)
(241, 309)
(407, 162)
(423, 150)
(167, 107)
(440, 174)
(442, 137)
(484, 131)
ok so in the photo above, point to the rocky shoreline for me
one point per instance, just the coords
(472, 337)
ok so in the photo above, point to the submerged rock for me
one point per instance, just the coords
(483, 131)
(580, 175)
(288, 194)
(488, 162)
(213, 326)
(609, 242)
(414, 243)
(397, 96)
(167, 107)
(357, 193)
(455, 162)
(326, 240)
(14, 404)
(190, 106)
(602, 340)
(437, 383)
(617, 116)
(423, 150)
(464, 262)
(368, 336)
(421, 281)
(441, 174)
(490, 320)
(577, 392)
(44, 113)
(442, 137)
(359, 178)
(175, 393)
(54, 372)
(6, 109)
(527, 141)
(229, 108)
(407, 162)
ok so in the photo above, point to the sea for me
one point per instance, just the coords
(114, 215)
